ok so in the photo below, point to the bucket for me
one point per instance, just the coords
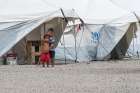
(11, 59)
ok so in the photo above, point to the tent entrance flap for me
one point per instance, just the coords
(121, 48)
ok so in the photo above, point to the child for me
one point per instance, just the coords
(52, 45)
(45, 56)
(44, 52)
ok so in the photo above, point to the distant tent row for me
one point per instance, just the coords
(100, 33)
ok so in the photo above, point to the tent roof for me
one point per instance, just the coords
(130, 5)
(22, 10)
(23, 7)
(91, 11)
(96, 11)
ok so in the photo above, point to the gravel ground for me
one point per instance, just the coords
(96, 77)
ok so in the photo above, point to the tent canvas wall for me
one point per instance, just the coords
(111, 22)
(17, 23)
(24, 55)
(95, 42)
(132, 6)
(121, 48)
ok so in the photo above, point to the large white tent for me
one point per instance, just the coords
(20, 17)
(111, 21)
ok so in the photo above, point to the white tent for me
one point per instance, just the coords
(102, 16)
(134, 7)
(19, 18)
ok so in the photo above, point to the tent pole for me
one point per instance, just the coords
(64, 45)
(66, 20)
(44, 29)
(137, 17)
(75, 41)
(133, 42)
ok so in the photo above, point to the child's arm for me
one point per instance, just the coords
(51, 46)
(36, 53)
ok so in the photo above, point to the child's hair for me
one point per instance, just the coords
(51, 29)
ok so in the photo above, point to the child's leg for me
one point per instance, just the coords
(52, 62)
(52, 58)
(42, 60)
(47, 64)
(48, 59)
(43, 64)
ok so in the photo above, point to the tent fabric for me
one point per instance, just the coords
(93, 42)
(130, 5)
(121, 48)
(133, 6)
(90, 11)
(134, 50)
(36, 34)
(11, 35)
(13, 32)
(96, 11)
(111, 35)
(19, 18)
(24, 7)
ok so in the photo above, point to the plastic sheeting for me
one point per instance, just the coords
(97, 11)
(93, 42)
(134, 49)
(14, 33)
(91, 11)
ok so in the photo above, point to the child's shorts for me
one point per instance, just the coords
(45, 57)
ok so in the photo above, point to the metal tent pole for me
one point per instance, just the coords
(64, 45)
(66, 20)
(75, 42)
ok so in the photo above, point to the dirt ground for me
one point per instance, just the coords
(96, 77)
